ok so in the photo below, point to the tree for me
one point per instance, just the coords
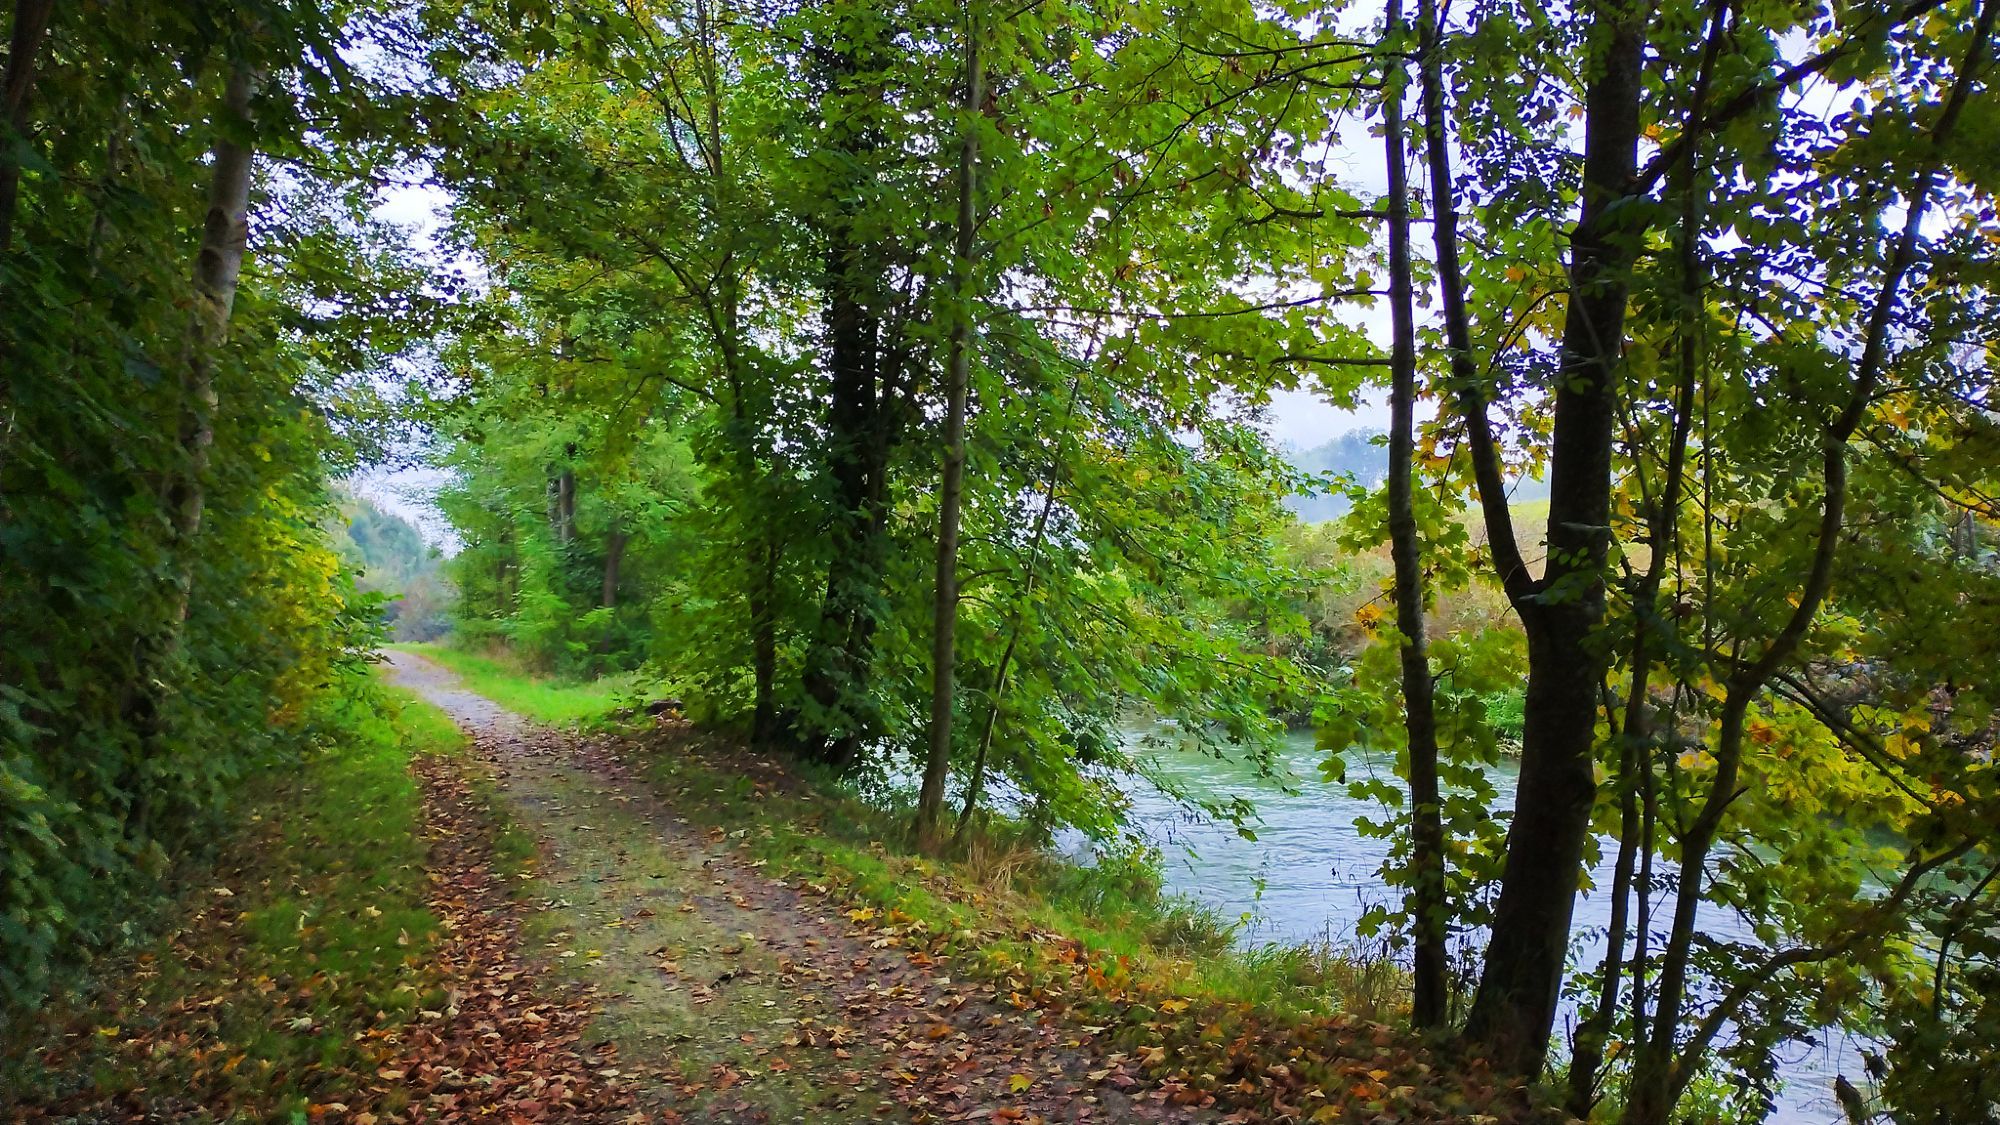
(174, 402)
(788, 427)
(1638, 394)
(29, 32)
(1427, 907)
(944, 653)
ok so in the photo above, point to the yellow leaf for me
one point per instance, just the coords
(1019, 1083)
(1694, 760)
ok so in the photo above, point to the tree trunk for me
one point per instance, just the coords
(562, 501)
(218, 266)
(838, 665)
(503, 569)
(864, 358)
(1427, 898)
(764, 646)
(1663, 535)
(31, 27)
(930, 800)
(1514, 1010)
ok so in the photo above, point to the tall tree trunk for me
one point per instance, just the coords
(503, 571)
(217, 268)
(944, 654)
(764, 644)
(1468, 389)
(838, 665)
(864, 361)
(1636, 742)
(562, 498)
(1427, 897)
(31, 28)
(1514, 1010)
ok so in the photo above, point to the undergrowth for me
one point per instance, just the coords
(287, 960)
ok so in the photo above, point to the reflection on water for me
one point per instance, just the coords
(1310, 873)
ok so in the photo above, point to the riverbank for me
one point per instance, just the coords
(1271, 920)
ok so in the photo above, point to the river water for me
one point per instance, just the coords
(1310, 874)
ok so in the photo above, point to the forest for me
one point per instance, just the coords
(886, 389)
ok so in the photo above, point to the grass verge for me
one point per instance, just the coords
(1004, 897)
(557, 703)
(290, 963)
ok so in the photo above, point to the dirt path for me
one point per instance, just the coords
(733, 997)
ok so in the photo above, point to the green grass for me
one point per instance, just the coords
(554, 702)
(293, 955)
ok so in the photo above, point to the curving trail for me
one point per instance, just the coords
(734, 997)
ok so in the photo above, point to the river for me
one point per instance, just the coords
(1310, 874)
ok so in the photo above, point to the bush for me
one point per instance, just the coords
(114, 768)
(1507, 712)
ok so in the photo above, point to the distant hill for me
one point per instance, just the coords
(1361, 456)
(1353, 454)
